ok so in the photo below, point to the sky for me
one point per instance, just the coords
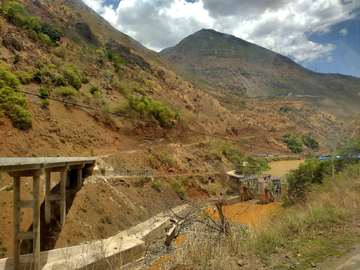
(322, 35)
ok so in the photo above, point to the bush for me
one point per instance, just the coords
(66, 91)
(73, 76)
(310, 172)
(45, 39)
(61, 52)
(13, 102)
(310, 142)
(93, 89)
(295, 145)
(157, 185)
(43, 92)
(44, 103)
(287, 109)
(60, 81)
(178, 189)
(53, 33)
(152, 108)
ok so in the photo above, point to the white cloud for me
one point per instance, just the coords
(279, 25)
(343, 32)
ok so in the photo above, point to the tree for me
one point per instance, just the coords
(309, 173)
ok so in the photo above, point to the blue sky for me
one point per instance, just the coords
(322, 35)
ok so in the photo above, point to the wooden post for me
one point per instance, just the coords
(47, 194)
(36, 222)
(16, 220)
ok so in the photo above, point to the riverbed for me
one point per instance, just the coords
(281, 168)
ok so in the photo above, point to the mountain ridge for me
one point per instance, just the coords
(234, 64)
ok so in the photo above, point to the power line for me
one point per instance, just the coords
(143, 120)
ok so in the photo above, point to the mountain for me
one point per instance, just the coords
(72, 85)
(230, 63)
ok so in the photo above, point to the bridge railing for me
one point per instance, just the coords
(149, 173)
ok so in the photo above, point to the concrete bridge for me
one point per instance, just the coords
(33, 167)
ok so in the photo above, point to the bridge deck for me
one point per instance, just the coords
(14, 164)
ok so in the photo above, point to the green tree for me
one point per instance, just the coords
(309, 173)
(295, 145)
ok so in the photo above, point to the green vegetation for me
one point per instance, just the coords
(293, 143)
(46, 33)
(178, 189)
(94, 90)
(44, 103)
(167, 158)
(43, 92)
(60, 81)
(66, 91)
(309, 173)
(13, 103)
(3, 248)
(147, 107)
(262, 163)
(287, 108)
(9, 187)
(233, 154)
(72, 75)
(157, 185)
(310, 142)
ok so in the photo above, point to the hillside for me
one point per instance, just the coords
(234, 64)
(72, 85)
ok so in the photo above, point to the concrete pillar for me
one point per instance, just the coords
(16, 220)
(79, 178)
(36, 222)
(63, 179)
(47, 194)
(68, 179)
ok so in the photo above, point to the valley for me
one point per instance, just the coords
(71, 85)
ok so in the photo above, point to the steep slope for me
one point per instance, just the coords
(234, 64)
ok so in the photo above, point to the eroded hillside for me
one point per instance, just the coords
(83, 88)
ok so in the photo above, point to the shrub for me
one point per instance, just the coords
(100, 53)
(167, 158)
(16, 58)
(287, 109)
(43, 92)
(61, 52)
(60, 81)
(286, 137)
(310, 172)
(184, 181)
(65, 91)
(44, 103)
(73, 76)
(45, 39)
(157, 110)
(53, 33)
(295, 145)
(93, 89)
(24, 78)
(157, 185)
(178, 189)
(13, 102)
(310, 142)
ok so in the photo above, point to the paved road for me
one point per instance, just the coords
(349, 261)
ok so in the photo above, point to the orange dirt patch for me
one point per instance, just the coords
(244, 212)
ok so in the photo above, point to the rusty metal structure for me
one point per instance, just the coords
(257, 186)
